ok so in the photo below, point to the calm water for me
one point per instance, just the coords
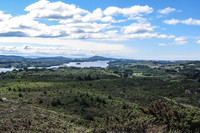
(6, 69)
(102, 64)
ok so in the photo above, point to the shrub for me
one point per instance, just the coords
(40, 101)
(55, 102)
(174, 117)
(20, 95)
(19, 89)
(110, 97)
(124, 106)
(75, 99)
(84, 103)
(59, 102)
(45, 92)
(89, 117)
(100, 100)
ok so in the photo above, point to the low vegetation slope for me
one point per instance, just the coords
(115, 99)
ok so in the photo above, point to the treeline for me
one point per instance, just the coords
(66, 73)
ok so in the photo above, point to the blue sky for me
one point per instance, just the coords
(135, 29)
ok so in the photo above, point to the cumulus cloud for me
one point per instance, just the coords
(167, 10)
(3, 16)
(198, 41)
(148, 36)
(26, 26)
(69, 13)
(78, 30)
(76, 23)
(22, 26)
(189, 21)
(180, 40)
(177, 41)
(54, 11)
(163, 36)
(95, 15)
(172, 21)
(136, 10)
(138, 28)
(108, 19)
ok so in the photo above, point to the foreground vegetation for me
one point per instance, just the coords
(127, 97)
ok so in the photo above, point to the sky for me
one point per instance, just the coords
(133, 29)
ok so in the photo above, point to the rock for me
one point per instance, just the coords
(195, 93)
(4, 100)
(187, 91)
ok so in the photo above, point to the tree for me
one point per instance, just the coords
(88, 77)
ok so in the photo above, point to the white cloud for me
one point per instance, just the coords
(69, 13)
(77, 23)
(167, 10)
(108, 19)
(143, 36)
(110, 11)
(180, 40)
(163, 44)
(133, 11)
(138, 28)
(198, 41)
(91, 17)
(177, 41)
(172, 21)
(65, 13)
(56, 46)
(54, 11)
(86, 27)
(27, 26)
(163, 36)
(3, 16)
(189, 21)
(94, 16)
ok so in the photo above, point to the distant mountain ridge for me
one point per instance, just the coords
(11, 57)
(93, 58)
(61, 58)
(7, 61)
(100, 58)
